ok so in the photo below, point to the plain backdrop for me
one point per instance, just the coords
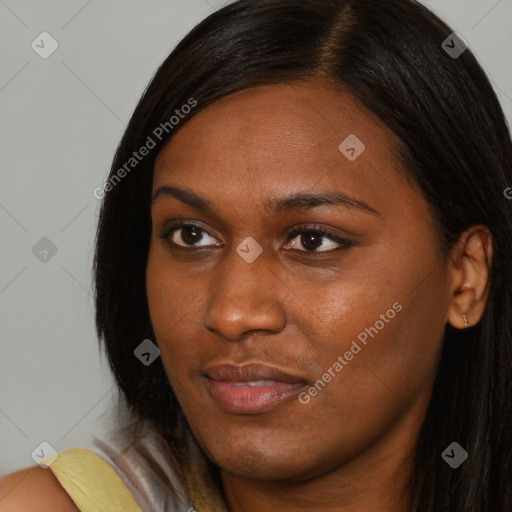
(61, 120)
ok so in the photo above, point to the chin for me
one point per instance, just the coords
(248, 460)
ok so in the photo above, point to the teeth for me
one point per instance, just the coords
(253, 383)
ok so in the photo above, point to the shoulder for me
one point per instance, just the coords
(33, 489)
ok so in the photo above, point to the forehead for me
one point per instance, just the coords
(270, 139)
(281, 120)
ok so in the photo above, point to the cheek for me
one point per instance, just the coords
(170, 298)
(386, 320)
(389, 340)
(173, 312)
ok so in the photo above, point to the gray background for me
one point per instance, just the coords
(61, 120)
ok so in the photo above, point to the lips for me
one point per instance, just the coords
(251, 388)
(250, 373)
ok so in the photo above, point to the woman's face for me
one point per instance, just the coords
(339, 328)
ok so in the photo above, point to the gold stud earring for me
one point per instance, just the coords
(465, 320)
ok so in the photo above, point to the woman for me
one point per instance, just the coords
(307, 215)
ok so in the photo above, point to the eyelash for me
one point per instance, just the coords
(344, 244)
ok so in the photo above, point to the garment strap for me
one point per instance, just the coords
(91, 482)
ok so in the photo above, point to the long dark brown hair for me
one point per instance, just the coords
(455, 145)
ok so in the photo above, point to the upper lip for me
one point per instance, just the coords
(227, 372)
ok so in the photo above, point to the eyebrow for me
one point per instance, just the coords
(274, 206)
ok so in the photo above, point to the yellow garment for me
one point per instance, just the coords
(91, 482)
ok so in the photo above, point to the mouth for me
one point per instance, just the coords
(252, 388)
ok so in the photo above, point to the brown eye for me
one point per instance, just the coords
(312, 239)
(186, 234)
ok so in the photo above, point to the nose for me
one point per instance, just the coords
(247, 297)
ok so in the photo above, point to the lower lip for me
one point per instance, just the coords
(251, 400)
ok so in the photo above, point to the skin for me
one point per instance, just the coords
(34, 489)
(351, 447)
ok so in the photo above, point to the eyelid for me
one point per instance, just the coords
(292, 233)
(174, 226)
(318, 229)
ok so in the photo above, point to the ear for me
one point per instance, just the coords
(470, 268)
